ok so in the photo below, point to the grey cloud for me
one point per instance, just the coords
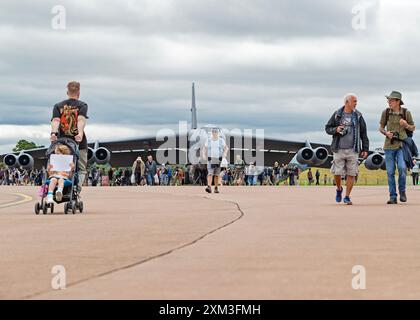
(136, 62)
(264, 19)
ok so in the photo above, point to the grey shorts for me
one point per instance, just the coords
(213, 171)
(345, 162)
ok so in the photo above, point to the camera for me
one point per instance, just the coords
(395, 137)
(344, 131)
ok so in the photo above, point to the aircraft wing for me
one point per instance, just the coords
(124, 152)
(282, 151)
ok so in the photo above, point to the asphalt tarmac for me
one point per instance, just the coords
(182, 243)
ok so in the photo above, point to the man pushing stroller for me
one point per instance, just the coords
(69, 120)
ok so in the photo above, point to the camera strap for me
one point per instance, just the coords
(388, 112)
(404, 117)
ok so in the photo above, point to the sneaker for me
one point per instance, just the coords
(208, 189)
(347, 201)
(59, 195)
(392, 201)
(339, 195)
(50, 198)
(216, 190)
(403, 197)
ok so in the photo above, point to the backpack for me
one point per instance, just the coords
(404, 117)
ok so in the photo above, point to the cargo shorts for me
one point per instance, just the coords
(345, 163)
(215, 171)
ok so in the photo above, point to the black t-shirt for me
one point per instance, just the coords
(68, 112)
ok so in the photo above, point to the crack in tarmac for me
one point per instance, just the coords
(163, 254)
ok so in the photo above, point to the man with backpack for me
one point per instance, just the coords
(397, 126)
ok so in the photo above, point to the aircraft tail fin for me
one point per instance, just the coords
(193, 109)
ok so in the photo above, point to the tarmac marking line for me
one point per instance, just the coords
(24, 199)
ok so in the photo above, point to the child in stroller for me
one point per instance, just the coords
(59, 179)
(60, 185)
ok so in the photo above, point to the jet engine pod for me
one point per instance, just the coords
(11, 161)
(320, 156)
(383, 167)
(25, 161)
(374, 162)
(102, 155)
(305, 155)
(91, 156)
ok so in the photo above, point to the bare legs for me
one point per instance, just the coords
(53, 184)
(349, 184)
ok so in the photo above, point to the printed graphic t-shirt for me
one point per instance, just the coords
(347, 141)
(68, 111)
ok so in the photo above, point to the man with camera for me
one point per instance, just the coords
(215, 150)
(348, 130)
(397, 125)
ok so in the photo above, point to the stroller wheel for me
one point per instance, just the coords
(81, 206)
(52, 207)
(66, 208)
(44, 208)
(73, 207)
(37, 208)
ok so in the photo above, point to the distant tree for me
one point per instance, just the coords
(25, 145)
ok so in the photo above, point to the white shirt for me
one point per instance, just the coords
(216, 148)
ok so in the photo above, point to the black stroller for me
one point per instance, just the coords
(70, 196)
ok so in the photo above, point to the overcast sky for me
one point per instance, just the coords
(279, 65)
